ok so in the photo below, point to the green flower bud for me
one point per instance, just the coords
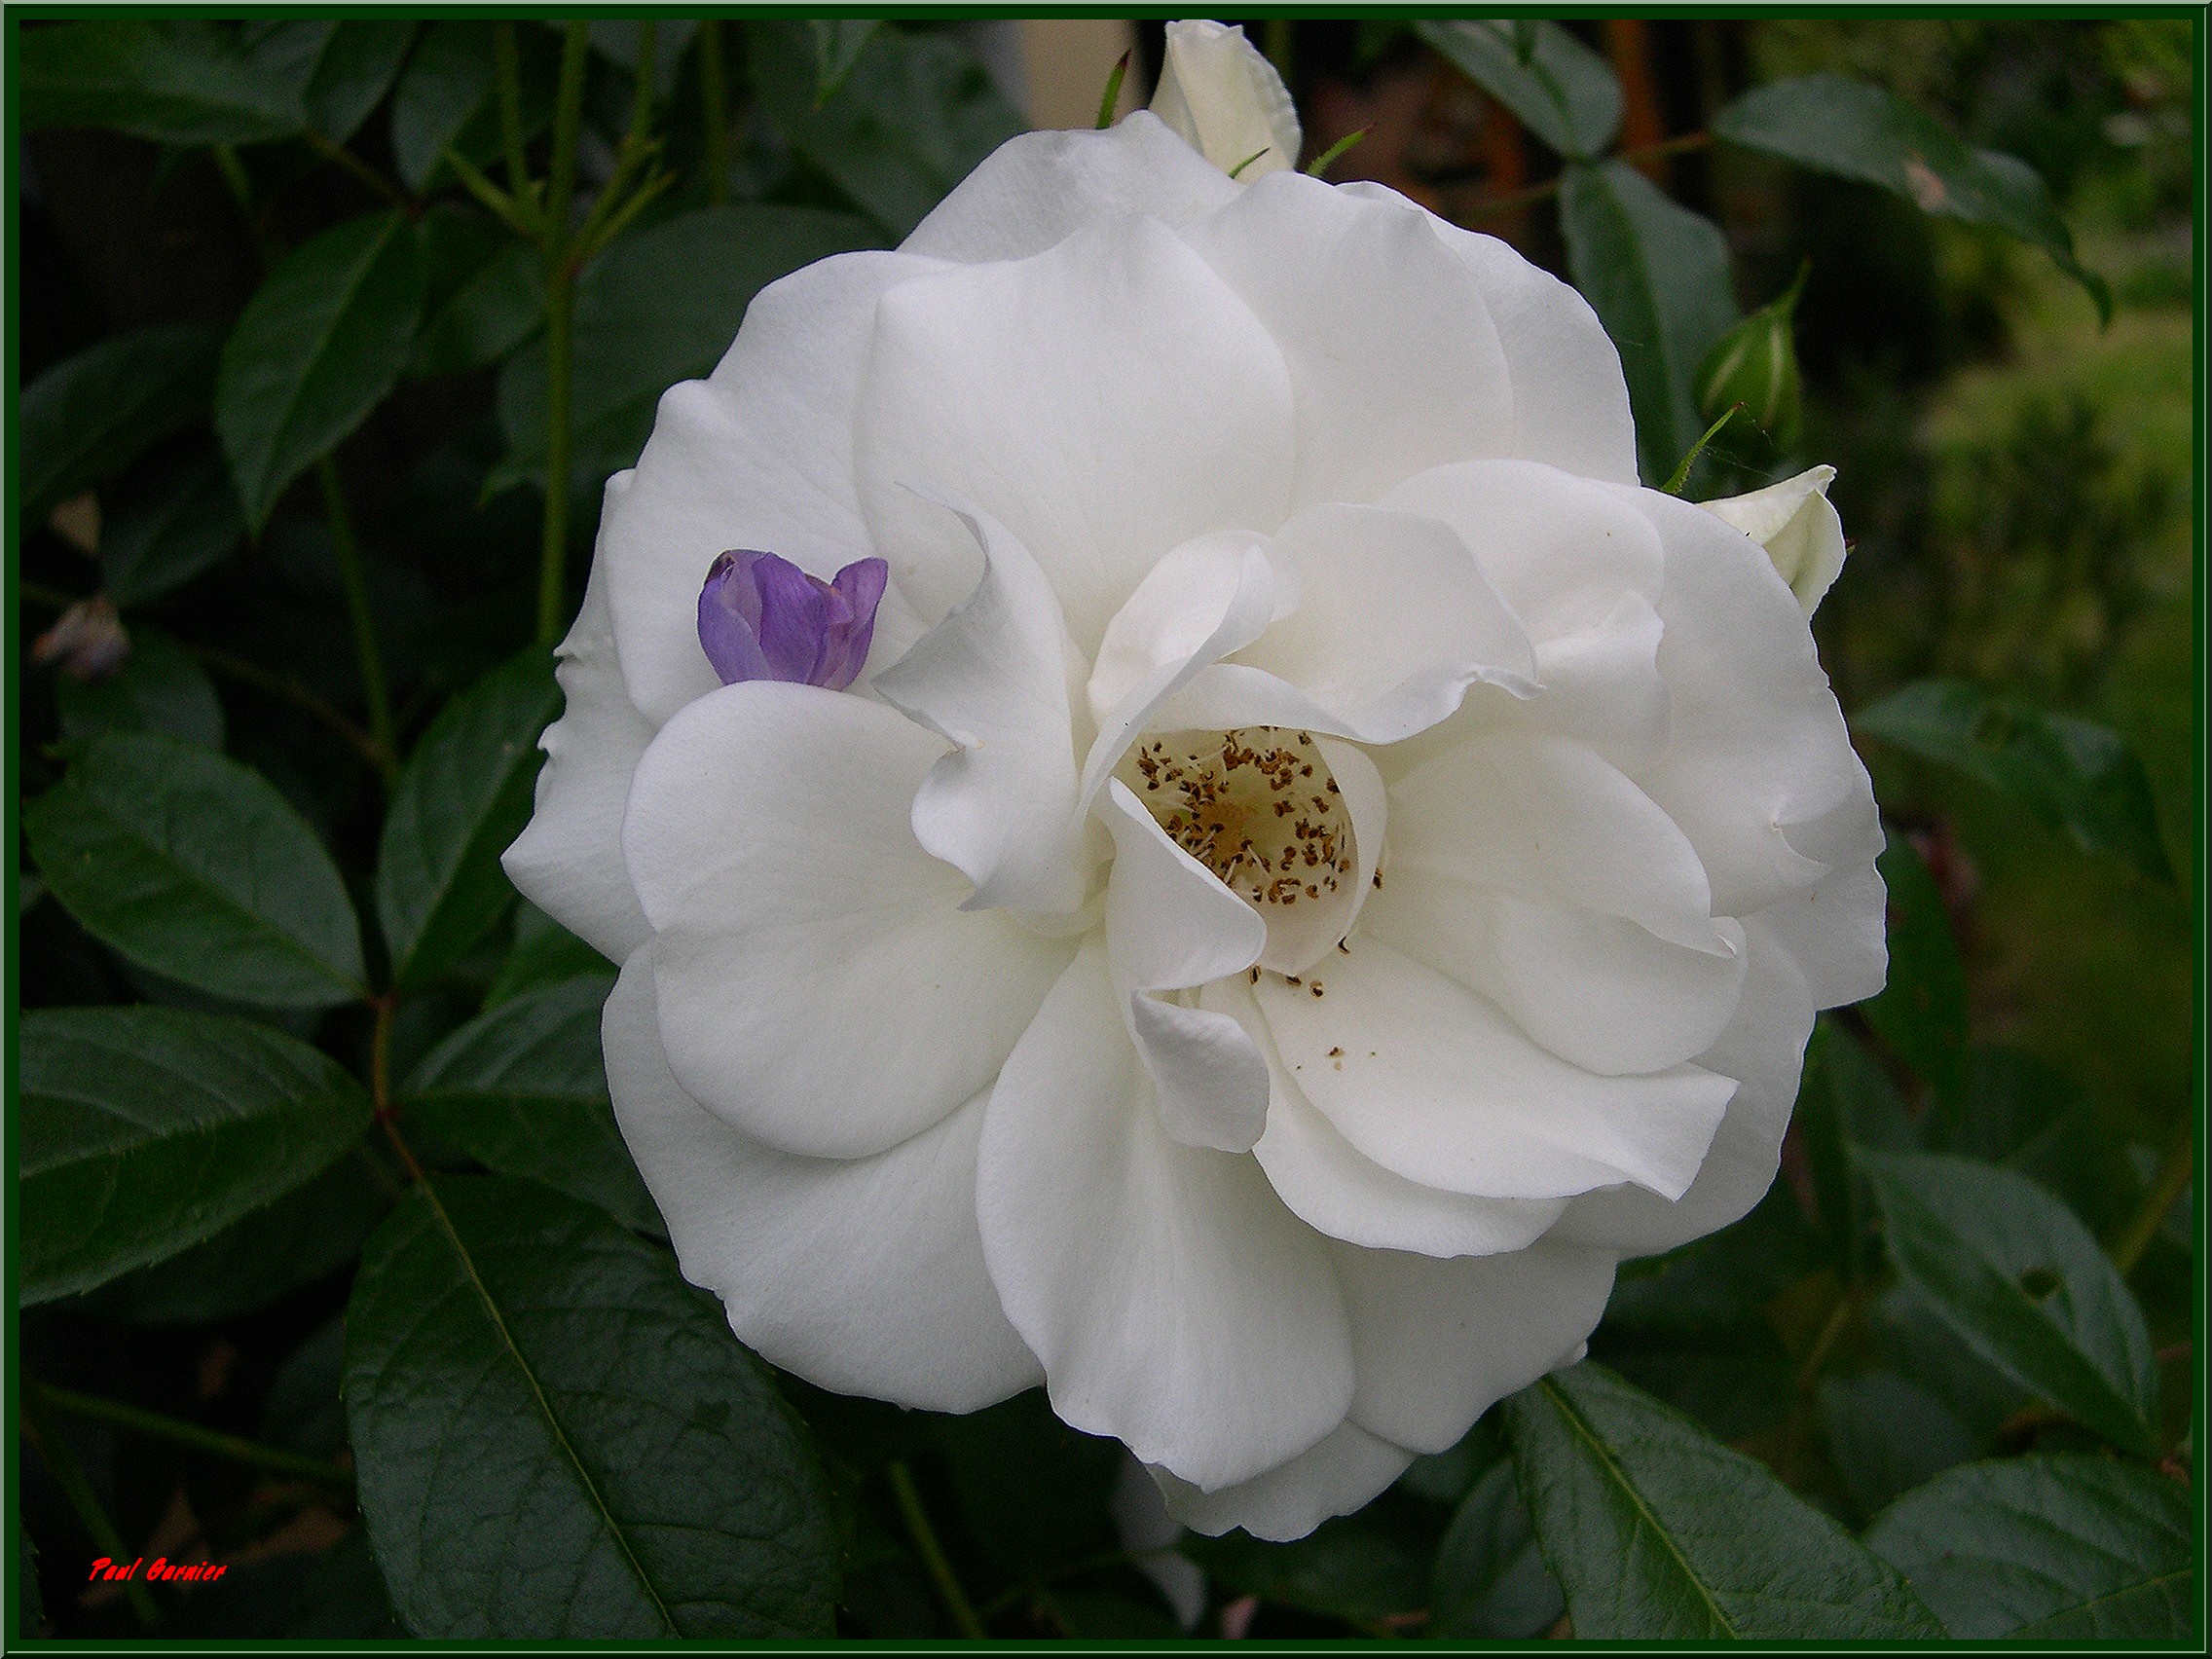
(1755, 364)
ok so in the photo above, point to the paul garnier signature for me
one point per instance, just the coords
(106, 1569)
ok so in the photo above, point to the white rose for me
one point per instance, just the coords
(994, 1020)
(1221, 96)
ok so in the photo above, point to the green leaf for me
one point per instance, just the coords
(143, 1130)
(522, 1090)
(2018, 1112)
(1559, 88)
(1854, 129)
(316, 351)
(656, 308)
(448, 81)
(161, 687)
(2023, 1285)
(175, 81)
(491, 314)
(2070, 774)
(838, 43)
(464, 796)
(1657, 275)
(192, 865)
(1846, 1102)
(1489, 1581)
(93, 415)
(915, 116)
(2049, 1548)
(538, 1400)
(1656, 1530)
(1921, 1013)
(340, 72)
(1362, 1568)
(1889, 1434)
(543, 953)
(166, 525)
(312, 1230)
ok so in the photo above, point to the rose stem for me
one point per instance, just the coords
(917, 1519)
(714, 111)
(2174, 1173)
(560, 341)
(69, 1476)
(161, 1427)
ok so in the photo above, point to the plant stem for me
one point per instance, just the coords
(2174, 1174)
(380, 1083)
(560, 342)
(1838, 1321)
(1550, 188)
(510, 117)
(714, 111)
(116, 1414)
(340, 156)
(1276, 36)
(69, 1476)
(293, 693)
(366, 645)
(919, 1528)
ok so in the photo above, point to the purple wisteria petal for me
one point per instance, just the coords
(761, 617)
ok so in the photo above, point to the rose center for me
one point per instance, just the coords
(1256, 806)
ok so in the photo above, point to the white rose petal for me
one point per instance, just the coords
(1794, 522)
(1317, 865)
(1222, 97)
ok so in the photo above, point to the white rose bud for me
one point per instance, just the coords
(1223, 98)
(1795, 523)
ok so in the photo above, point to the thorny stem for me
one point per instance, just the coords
(714, 111)
(2174, 1173)
(919, 1528)
(70, 1475)
(161, 1426)
(1550, 188)
(560, 342)
(366, 645)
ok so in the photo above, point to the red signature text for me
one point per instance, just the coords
(163, 1571)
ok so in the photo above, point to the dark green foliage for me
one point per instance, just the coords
(2023, 1284)
(1622, 1489)
(2051, 1548)
(318, 349)
(2070, 774)
(521, 1090)
(97, 413)
(1835, 124)
(1556, 87)
(464, 796)
(1657, 275)
(143, 1130)
(530, 1390)
(192, 865)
